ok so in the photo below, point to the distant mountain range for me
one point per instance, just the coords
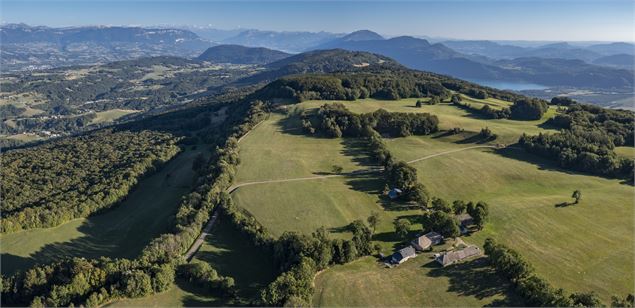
(39, 47)
(286, 41)
(607, 66)
(545, 70)
(238, 54)
(554, 50)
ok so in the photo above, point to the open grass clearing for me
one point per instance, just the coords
(492, 102)
(628, 152)
(181, 294)
(120, 232)
(111, 115)
(277, 149)
(415, 283)
(523, 192)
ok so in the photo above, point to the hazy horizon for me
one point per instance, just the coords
(516, 20)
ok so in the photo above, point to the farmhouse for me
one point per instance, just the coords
(402, 255)
(394, 193)
(427, 240)
(451, 257)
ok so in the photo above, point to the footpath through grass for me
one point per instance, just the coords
(120, 232)
(278, 149)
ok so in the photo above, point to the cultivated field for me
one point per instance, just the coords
(120, 232)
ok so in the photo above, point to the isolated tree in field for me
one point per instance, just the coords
(373, 220)
(402, 227)
(337, 169)
(419, 104)
(577, 195)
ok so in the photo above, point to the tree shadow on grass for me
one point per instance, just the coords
(476, 278)
(291, 125)
(357, 149)
(517, 153)
(474, 138)
(231, 253)
(121, 231)
(202, 296)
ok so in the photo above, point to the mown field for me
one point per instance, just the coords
(523, 192)
(278, 150)
(417, 282)
(111, 115)
(120, 232)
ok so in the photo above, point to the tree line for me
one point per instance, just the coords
(334, 120)
(535, 290)
(522, 109)
(49, 184)
(586, 142)
(94, 282)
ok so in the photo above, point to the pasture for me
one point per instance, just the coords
(111, 115)
(120, 232)
(415, 283)
(277, 150)
(523, 192)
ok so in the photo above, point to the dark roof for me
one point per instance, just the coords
(404, 253)
(451, 257)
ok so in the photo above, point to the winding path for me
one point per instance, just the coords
(208, 227)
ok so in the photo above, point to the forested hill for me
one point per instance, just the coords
(333, 74)
(323, 61)
(237, 54)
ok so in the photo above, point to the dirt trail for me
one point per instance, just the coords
(208, 227)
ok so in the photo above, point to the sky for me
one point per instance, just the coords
(544, 20)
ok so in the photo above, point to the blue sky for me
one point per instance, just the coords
(573, 20)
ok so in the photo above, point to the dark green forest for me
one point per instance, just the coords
(69, 178)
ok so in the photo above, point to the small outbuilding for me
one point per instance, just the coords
(403, 255)
(427, 240)
(394, 193)
(451, 257)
